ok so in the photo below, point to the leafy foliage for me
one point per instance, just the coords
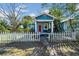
(27, 29)
(3, 26)
(27, 20)
(71, 7)
(58, 13)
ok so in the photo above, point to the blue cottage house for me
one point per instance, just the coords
(44, 23)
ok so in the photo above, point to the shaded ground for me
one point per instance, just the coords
(36, 48)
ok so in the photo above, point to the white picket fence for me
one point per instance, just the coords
(16, 37)
(70, 36)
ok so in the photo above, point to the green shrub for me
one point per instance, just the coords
(27, 30)
(2, 28)
(7, 30)
(20, 29)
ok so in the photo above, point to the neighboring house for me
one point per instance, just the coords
(66, 23)
(69, 26)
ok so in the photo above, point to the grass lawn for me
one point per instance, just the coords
(27, 49)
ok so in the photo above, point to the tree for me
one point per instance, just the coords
(12, 14)
(26, 21)
(58, 13)
(71, 8)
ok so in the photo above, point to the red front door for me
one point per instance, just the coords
(39, 28)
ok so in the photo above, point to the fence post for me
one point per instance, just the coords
(39, 36)
(35, 35)
(1, 38)
(49, 36)
(74, 35)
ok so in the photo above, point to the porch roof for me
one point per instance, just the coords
(45, 16)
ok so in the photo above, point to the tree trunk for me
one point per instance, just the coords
(72, 29)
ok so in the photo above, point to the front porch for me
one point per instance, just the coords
(44, 26)
(44, 23)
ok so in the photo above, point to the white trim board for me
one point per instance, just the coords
(43, 20)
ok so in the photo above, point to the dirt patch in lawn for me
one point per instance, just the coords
(17, 52)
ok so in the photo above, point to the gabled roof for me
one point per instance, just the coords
(45, 14)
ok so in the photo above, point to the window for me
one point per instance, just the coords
(46, 26)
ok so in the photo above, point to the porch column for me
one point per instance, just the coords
(52, 26)
(36, 26)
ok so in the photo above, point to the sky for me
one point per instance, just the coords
(27, 8)
(32, 9)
